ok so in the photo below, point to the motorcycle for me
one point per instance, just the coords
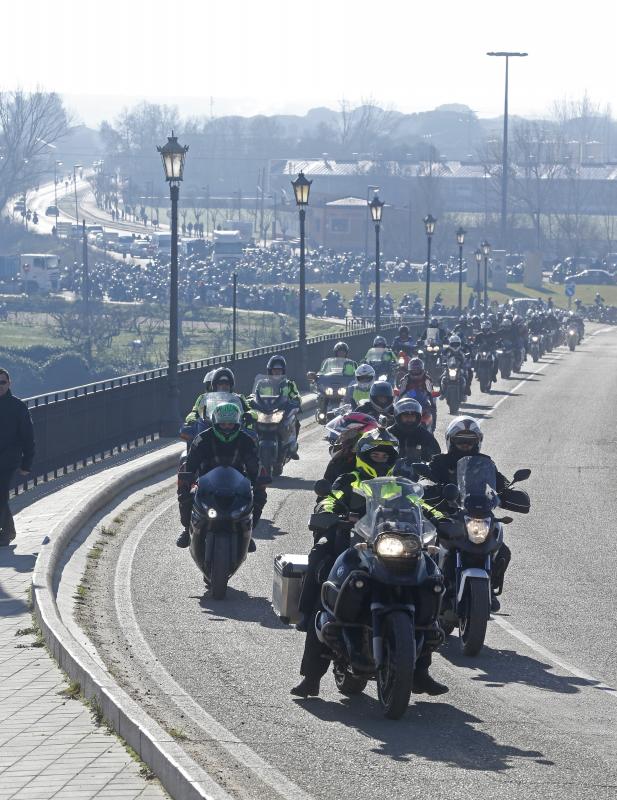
(518, 359)
(572, 338)
(384, 367)
(471, 544)
(382, 598)
(432, 359)
(453, 385)
(221, 526)
(535, 346)
(331, 384)
(275, 425)
(483, 367)
(402, 361)
(504, 359)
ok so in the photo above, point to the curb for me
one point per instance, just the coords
(181, 776)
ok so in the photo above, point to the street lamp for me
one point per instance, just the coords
(376, 207)
(460, 238)
(478, 255)
(302, 189)
(76, 167)
(504, 158)
(486, 249)
(56, 165)
(173, 155)
(429, 226)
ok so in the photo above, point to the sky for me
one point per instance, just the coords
(282, 56)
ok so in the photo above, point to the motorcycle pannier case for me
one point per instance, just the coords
(289, 573)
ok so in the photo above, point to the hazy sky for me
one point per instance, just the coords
(266, 56)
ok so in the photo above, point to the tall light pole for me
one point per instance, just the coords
(504, 158)
(369, 189)
(486, 249)
(302, 189)
(429, 227)
(376, 207)
(460, 238)
(56, 165)
(173, 155)
(75, 168)
(478, 255)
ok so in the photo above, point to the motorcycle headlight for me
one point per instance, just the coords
(401, 362)
(572, 332)
(452, 373)
(477, 529)
(329, 390)
(535, 338)
(391, 545)
(342, 391)
(499, 352)
(383, 377)
(212, 513)
(322, 415)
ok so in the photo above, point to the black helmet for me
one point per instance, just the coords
(277, 362)
(379, 341)
(434, 323)
(222, 374)
(403, 330)
(381, 396)
(341, 346)
(407, 405)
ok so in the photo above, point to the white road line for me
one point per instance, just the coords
(281, 785)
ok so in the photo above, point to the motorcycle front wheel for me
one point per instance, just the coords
(219, 572)
(472, 626)
(395, 676)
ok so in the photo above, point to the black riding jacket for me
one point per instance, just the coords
(417, 443)
(207, 451)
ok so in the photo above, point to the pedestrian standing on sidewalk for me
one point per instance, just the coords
(16, 450)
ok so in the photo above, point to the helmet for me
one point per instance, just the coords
(277, 362)
(407, 405)
(486, 327)
(348, 427)
(377, 440)
(454, 342)
(341, 346)
(434, 323)
(208, 380)
(464, 431)
(365, 373)
(381, 396)
(506, 323)
(517, 319)
(223, 414)
(403, 330)
(416, 367)
(379, 341)
(222, 374)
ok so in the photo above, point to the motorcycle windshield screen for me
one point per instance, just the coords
(433, 335)
(267, 391)
(477, 484)
(216, 398)
(378, 355)
(394, 499)
(338, 366)
(224, 489)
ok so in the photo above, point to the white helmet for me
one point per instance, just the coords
(365, 373)
(464, 430)
(455, 341)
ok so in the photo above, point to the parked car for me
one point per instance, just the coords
(592, 276)
(51, 211)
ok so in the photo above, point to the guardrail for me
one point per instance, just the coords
(84, 424)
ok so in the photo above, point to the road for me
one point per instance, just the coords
(534, 714)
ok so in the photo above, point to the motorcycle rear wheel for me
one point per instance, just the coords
(472, 626)
(395, 676)
(219, 573)
(347, 683)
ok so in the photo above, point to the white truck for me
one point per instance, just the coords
(39, 272)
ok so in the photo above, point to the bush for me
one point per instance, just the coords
(64, 371)
(26, 378)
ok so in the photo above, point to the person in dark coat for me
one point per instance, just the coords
(16, 450)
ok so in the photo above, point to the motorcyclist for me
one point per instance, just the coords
(195, 412)
(376, 455)
(387, 356)
(418, 381)
(464, 438)
(341, 350)
(358, 391)
(343, 457)
(225, 444)
(415, 441)
(454, 349)
(277, 367)
(381, 398)
(487, 340)
(432, 325)
(403, 342)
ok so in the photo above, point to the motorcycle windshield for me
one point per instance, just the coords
(477, 484)
(378, 355)
(432, 335)
(225, 490)
(337, 366)
(213, 399)
(267, 391)
(393, 499)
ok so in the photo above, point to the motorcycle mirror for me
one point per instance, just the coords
(521, 475)
(322, 487)
(311, 376)
(422, 469)
(450, 492)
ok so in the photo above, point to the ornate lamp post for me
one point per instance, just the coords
(173, 155)
(478, 255)
(376, 207)
(460, 238)
(429, 226)
(302, 189)
(486, 249)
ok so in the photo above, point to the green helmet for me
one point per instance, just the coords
(226, 413)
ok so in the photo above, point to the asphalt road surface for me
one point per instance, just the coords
(533, 715)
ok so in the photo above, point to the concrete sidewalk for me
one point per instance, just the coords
(50, 746)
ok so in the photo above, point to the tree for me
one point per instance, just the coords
(29, 124)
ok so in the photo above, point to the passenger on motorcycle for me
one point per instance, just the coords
(277, 366)
(358, 391)
(225, 444)
(381, 398)
(419, 382)
(343, 457)
(376, 455)
(415, 441)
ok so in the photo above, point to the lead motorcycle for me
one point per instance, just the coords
(483, 367)
(221, 526)
(468, 548)
(505, 358)
(382, 597)
(275, 425)
(453, 384)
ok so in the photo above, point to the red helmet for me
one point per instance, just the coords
(349, 426)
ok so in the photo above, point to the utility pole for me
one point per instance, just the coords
(85, 292)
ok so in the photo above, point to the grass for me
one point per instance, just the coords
(177, 734)
(96, 551)
(72, 691)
